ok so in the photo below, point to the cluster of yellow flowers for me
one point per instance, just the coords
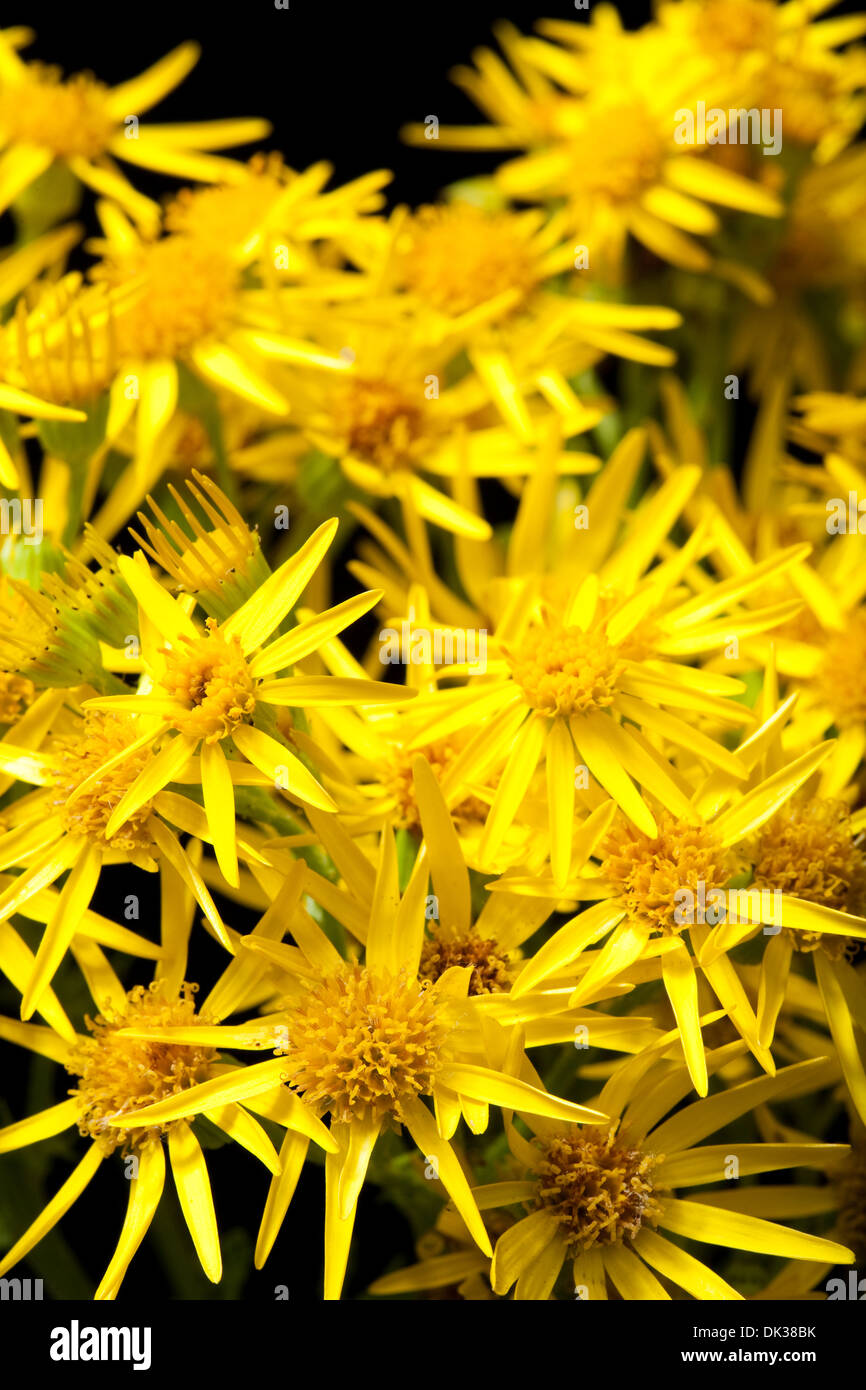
(562, 814)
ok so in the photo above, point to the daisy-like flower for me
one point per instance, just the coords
(401, 413)
(811, 851)
(600, 1196)
(115, 1076)
(780, 56)
(659, 892)
(78, 121)
(365, 1043)
(582, 680)
(601, 136)
(491, 272)
(214, 689)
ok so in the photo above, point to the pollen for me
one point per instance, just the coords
(457, 257)
(652, 875)
(102, 737)
(210, 673)
(808, 850)
(735, 30)
(566, 671)
(119, 1075)
(380, 424)
(489, 964)
(186, 293)
(68, 117)
(362, 1043)
(841, 678)
(599, 1189)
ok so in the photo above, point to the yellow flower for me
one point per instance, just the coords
(117, 1076)
(601, 136)
(209, 690)
(597, 1195)
(46, 118)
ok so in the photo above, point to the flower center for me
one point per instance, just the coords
(457, 257)
(653, 876)
(733, 30)
(188, 287)
(211, 674)
(67, 117)
(841, 679)
(380, 425)
(599, 1190)
(566, 671)
(361, 1043)
(120, 1075)
(618, 155)
(102, 737)
(489, 965)
(808, 850)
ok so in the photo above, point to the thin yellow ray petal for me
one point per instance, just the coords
(196, 1199)
(682, 990)
(736, 1231)
(519, 1246)
(164, 611)
(422, 1127)
(293, 1151)
(485, 1084)
(169, 762)
(683, 1269)
(590, 734)
(566, 944)
(309, 635)
(513, 785)
(65, 922)
(630, 1275)
(362, 1139)
(281, 765)
(52, 1212)
(42, 1126)
(219, 1090)
(219, 805)
(145, 1191)
(444, 854)
(256, 619)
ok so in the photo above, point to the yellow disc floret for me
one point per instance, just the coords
(68, 117)
(211, 674)
(488, 962)
(566, 671)
(808, 850)
(651, 875)
(119, 1075)
(599, 1189)
(457, 257)
(186, 290)
(102, 737)
(361, 1043)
